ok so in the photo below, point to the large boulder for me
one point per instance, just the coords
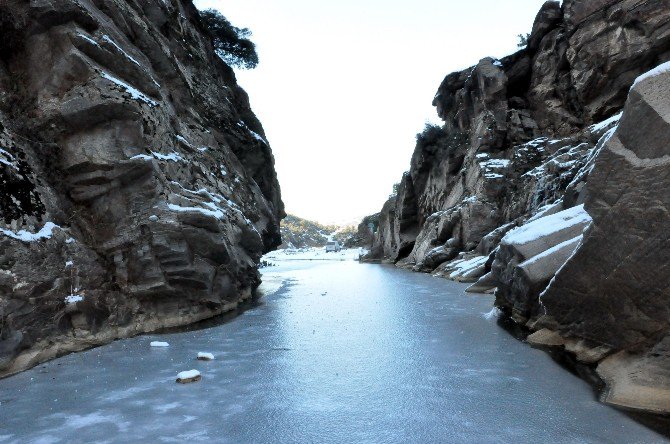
(529, 256)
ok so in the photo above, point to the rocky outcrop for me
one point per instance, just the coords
(516, 130)
(137, 188)
(297, 232)
(528, 154)
(365, 233)
(615, 290)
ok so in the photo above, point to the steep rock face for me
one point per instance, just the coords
(504, 118)
(528, 142)
(137, 189)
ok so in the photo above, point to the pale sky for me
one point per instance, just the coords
(343, 86)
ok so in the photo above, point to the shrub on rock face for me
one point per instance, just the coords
(232, 44)
(430, 134)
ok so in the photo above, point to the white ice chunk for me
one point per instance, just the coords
(159, 344)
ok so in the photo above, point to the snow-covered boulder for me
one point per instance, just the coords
(202, 356)
(463, 270)
(530, 255)
(189, 376)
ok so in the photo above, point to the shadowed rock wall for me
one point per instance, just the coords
(137, 188)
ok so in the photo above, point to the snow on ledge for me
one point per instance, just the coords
(605, 123)
(25, 236)
(660, 69)
(213, 213)
(547, 225)
(134, 92)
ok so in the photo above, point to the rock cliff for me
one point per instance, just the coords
(539, 187)
(137, 188)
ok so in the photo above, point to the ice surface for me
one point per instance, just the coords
(88, 39)
(301, 366)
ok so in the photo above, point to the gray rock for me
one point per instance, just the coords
(131, 154)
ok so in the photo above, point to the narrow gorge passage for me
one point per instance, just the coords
(340, 352)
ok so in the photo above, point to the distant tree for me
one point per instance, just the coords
(396, 187)
(523, 40)
(232, 44)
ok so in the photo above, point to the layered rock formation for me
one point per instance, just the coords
(137, 188)
(529, 157)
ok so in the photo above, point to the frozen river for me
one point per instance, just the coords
(340, 352)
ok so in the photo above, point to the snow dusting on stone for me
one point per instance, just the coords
(73, 299)
(134, 92)
(128, 56)
(189, 374)
(547, 225)
(88, 39)
(660, 69)
(172, 157)
(7, 159)
(218, 213)
(605, 123)
(45, 233)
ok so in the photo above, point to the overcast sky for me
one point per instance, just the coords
(343, 86)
